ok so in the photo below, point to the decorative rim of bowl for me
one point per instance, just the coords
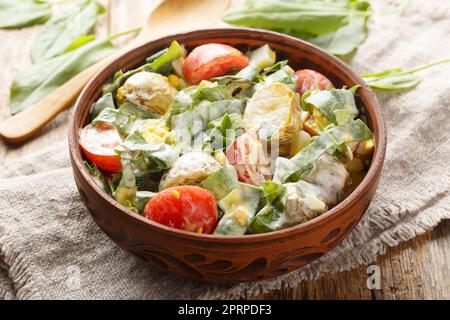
(378, 127)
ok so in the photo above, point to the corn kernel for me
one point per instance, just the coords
(120, 96)
(176, 194)
(171, 138)
(205, 84)
(320, 117)
(365, 148)
(235, 53)
(154, 131)
(174, 80)
(200, 230)
(241, 216)
(221, 158)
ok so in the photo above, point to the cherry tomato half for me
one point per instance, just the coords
(212, 60)
(247, 155)
(311, 80)
(98, 143)
(187, 208)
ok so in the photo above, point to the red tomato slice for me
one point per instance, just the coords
(187, 208)
(311, 80)
(212, 60)
(247, 156)
(98, 143)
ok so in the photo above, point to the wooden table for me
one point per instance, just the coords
(418, 269)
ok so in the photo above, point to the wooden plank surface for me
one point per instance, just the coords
(417, 269)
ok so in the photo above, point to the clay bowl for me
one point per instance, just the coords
(217, 258)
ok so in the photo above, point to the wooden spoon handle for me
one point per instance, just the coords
(22, 126)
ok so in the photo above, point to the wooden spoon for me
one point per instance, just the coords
(170, 17)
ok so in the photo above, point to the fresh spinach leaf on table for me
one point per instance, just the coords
(66, 32)
(39, 80)
(349, 37)
(397, 78)
(312, 17)
(392, 79)
(79, 42)
(337, 26)
(23, 13)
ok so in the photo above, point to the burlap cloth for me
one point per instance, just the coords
(51, 248)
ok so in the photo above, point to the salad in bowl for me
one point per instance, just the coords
(218, 141)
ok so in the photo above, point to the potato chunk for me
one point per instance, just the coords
(330, 176)
(190, 169)
(149, 90)
(274, 110)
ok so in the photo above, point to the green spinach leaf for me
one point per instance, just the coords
(156, 62)
(222, 182)
(333, 104)
(397, 78)
(98, 177)
(347, 38)
(333, 136)
(345, 20)
(190, 97)
(240, 206)
(39, 80)
(59, 33)
(102, 104)
(392, 79)
(189, 125)
(246, 75)
(150, 157)
(142, 198)
(272, 216)
(125, 194)
(269, 218)
(80, 41)
(23, 13)
(273, 191)
(124, 122)
(313, 17)
(174, 52)
(138, 111)
(286, 77)
(119, 79)
(225, 130)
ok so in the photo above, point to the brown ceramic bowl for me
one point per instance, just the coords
(230, 259)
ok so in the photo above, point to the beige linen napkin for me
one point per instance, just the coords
(51, 248)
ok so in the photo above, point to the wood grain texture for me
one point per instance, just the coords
(417, 269)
